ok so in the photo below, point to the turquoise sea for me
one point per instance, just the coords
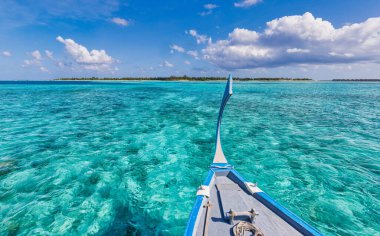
(94, 158)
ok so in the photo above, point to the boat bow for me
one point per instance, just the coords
(219, 155)
(227, 204)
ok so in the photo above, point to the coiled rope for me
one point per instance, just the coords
(242, 227)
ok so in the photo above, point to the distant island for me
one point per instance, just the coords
(357, 80)
(185, 78)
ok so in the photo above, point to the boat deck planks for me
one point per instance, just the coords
(225, 194)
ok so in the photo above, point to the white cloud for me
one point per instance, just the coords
(37, 55)
(187, 62)
(305, 27)
(205, 13)
(6, 53)
(209, 8)
(43, 69)
(180, 49)
(49, 54)
(92, 60)
(177, 48)
(298, 39)
(335, 54)
(297, 50)
(27, 63)
(35, 61)
(120, 21)
(246, 3)
(57, 62)
(199, 37)
(166, 64)
(193, 54)
(243, 36)
(81, 55)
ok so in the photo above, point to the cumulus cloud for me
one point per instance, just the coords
(58, 62)
(37, 55)
(246, 3)
(120, 21)
(187, 62)
(177, 48)
(243, 36)
(298, 39)
(35, 61)
(166, 64)
(199, 37)
(297, 50)
(49, 54)
(91, 60)
(209, 8)
(180, 49)
(6, 53)
(28, 63)
(193, 53)
(81, 55)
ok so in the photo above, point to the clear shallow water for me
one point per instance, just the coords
(96, 158)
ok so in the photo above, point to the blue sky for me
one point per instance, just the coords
(298, 38)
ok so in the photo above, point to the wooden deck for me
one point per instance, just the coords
(227, 193)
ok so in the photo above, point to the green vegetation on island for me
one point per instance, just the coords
(186, 78)
(357, 80)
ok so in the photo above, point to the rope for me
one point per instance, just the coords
(242, 227)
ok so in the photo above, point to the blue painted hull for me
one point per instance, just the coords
(292, 219)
